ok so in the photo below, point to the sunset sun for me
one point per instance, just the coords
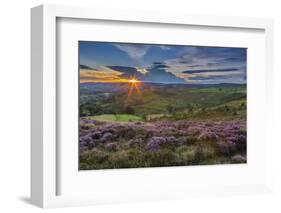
(133, 80)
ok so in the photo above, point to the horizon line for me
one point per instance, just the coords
(151, 82)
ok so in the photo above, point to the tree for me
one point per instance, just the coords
(242, 105)
(226, 108)
(170, 108)
(129, 110)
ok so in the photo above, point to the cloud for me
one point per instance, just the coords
(127, 72)
(208, 58)
(188, 63)
(144, 71)
(212, 77)
(161, 66)
(216, 80)
(165, 47)
(216, 77)
(81, 66)
(135, 51)
(210, 70)
(87, 75)
(193, 62)
(157, 63)
(160, 75)
(124, 69)
(233, 59)
(156, 74)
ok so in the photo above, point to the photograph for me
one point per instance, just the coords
(160, 105)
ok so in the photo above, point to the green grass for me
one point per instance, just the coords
(127, 118)
(117, 117)
(156, 102)
(192, 103)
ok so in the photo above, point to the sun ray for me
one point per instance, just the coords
(134, 86)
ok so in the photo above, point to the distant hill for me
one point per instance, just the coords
(86, 88)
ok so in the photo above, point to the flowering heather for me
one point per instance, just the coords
(96, 135)
(135, 142)
(154, 143)
(146, 142)
(106, 137)
(208, 135)
(111, 146)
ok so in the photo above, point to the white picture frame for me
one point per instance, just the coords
(44, 154)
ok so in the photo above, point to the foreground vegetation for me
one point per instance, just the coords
(162, 126)
(105, 145)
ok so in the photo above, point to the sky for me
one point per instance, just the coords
(119, 62)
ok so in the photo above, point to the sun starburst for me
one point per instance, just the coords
(133, 81)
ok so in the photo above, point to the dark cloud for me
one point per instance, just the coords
(213, 64)
(198, 65)
(124, 69)
(160, 75)
(186, 62)
(158, 63)
(233, 59)
(210, 70)
(213, 77)
(213, 56)
(127, 72)
(161, 66)
(232, 54)
(220, 78)
(85, 67)
(191, 65)
(156, 74)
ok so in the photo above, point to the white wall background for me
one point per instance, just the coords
(15, 105)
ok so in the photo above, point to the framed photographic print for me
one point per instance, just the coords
(152, 105)
(129, 106)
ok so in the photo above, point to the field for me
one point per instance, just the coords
(115, 117)
(154, 125)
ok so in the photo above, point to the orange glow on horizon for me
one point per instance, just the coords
(113, 80)
(132, 81)
(105, 76)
